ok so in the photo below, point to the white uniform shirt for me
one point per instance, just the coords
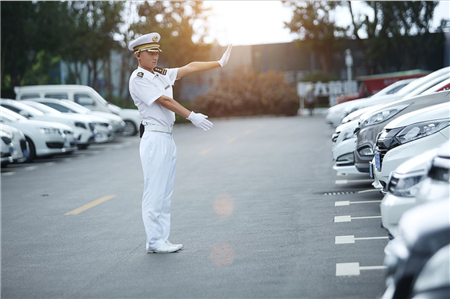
(146, 88)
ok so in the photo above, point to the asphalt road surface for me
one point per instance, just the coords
(256, 204)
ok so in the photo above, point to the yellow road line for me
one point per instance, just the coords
(90, 205)
(206, 151)
(231, 140)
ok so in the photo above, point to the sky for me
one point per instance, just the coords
(262, 22)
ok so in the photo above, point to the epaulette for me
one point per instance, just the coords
(160, 70)
(140, 74)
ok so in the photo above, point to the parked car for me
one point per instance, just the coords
(102, 126)
(423, 232)
(43, 138)
(344, 141)
(334, 114)
(415, 88)
(406, 137)
(83, 127)
(371, 123)
(6, 148)
(85, 96)
(66, 106)
(18, 141)
(402, 187)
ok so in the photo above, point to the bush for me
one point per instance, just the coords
(249, 93)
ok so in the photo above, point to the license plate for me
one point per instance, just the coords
(378, 161)
(371, 170)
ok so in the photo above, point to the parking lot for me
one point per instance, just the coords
(257, 205)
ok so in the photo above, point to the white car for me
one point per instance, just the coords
(18, 142)
(402, 188)
(344, 144)
(414, 88)
(334, 114)
(43, 138)
(6, 147)
(83, 126)
(85, 96)
(408, 136)
(66, 106)
(103, 129)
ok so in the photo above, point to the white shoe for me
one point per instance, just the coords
(164, 248)
(179, 246)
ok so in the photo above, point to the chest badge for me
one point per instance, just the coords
(140, 74)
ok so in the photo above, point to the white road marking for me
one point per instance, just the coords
(354, 269)
(351, 239)
(8, 173)
(50, 163)
(349, 218)
(29, 168)
(347, 203)
(343, 182)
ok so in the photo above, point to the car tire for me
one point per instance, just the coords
(130, 129)
(32, 153)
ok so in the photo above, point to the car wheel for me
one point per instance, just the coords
(130, 129)
(32, 148)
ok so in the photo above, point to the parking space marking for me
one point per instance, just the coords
(354, 269)
(343, 182)
(351, 239)
(347, 203)
(231, 140)
(8, 173)
(90, 205)
(50, 163)
(29, 168)
(206, 151)
(348, 218)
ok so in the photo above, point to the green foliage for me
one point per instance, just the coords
(249, 93)
(313, 22)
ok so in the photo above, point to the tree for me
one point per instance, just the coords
(399, 36)
(313, 22)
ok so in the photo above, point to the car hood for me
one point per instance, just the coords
(106, 115)
(87, 117)
(435, 112)
(417, 163)
(27, 124)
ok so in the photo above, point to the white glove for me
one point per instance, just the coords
(225, 56)
(200, 121)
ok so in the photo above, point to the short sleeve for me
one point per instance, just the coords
(144, 91)
(172, 75)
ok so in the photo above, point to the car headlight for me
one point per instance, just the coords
(80, 125)
(49, 131)
(436, 272)
(406, 185)
(382, 116)
(440, 169)
(366, 151)
(420, 130)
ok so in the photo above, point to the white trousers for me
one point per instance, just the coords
(158, 158)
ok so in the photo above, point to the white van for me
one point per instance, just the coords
(85, 96)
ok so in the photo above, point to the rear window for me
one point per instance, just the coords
(29, 96)
(60, 96)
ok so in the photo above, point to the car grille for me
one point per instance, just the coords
(4, 155)
(55, 144)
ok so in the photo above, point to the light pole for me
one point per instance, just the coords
(349, 64)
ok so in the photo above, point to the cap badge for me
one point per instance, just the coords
(155, 38)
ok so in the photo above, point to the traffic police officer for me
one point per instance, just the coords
(151, 90)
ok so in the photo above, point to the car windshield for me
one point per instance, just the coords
(75, 107)
(41, 107)
(415, 84)
(23, 107)
(10, 115)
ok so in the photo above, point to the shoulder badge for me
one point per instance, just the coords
(160, 70)
(140, 74)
